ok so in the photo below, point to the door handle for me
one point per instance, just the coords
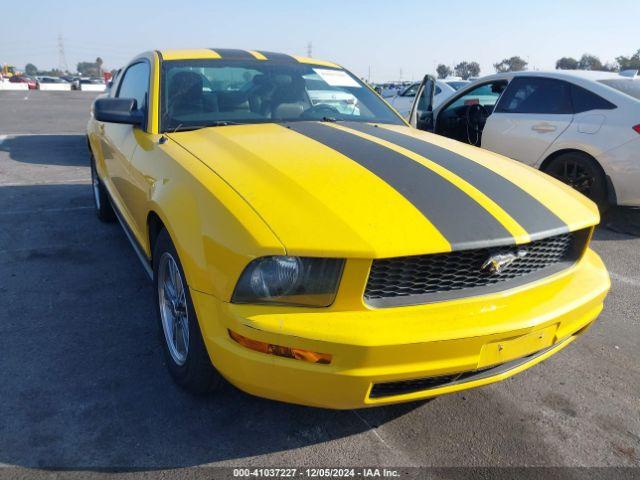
(544, 128)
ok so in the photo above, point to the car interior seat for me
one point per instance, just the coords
(290, 97)
(186, 94)
(259, 95)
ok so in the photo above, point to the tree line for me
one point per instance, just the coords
(85, 69)
(467, 69)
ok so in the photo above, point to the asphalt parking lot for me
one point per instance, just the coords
(82, 381)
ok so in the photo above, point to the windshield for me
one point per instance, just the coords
(198, 93)
(411, 90)
(457, 85)
(629, 86)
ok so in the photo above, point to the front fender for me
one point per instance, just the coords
(214, 230)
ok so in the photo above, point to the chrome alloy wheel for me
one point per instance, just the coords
(173, 308)
(95, 185)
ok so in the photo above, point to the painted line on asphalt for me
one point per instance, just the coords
(371, 428)
(623, 279)
(374, 430)
(53, 134)
(44, 248)
(45, 210)
(35, 249)
(25, 184)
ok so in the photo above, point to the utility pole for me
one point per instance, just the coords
(369, 73)
(310, 49)
(62, 58)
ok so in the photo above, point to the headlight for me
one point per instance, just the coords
(289, 280)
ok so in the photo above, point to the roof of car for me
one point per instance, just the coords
(237, 54)
(566, 74)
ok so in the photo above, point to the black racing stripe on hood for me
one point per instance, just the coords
(233, 54)
(459, 218)
(278, 57)
(524, 208)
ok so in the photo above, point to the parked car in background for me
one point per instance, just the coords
(92, 85)
(456, 83)
(391, 89)
(92, 81)
(311, 252)
(402, 101)
(47, 79)
(111, 82)
(582, 127)
(24, 79)
(53, 84)
(75, 82)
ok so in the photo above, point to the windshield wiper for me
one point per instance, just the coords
(222, 123)
(329, 119)
(187, 128)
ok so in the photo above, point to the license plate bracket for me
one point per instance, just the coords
(505, 350)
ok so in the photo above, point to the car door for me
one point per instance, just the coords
(120, 140)
(452, 118)
(531, 114)
(421, 114)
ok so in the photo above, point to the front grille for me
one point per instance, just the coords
(429, 278)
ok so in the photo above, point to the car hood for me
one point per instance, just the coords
(364, 190)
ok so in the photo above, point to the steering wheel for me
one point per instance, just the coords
(476, 118)
(319, 111)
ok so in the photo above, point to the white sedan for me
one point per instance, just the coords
(582, 127)
(402, 101)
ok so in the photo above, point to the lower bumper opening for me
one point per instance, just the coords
(403, 387)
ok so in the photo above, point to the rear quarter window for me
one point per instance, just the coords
(584, 100)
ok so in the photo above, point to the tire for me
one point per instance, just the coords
(185, 352)
(101, 201)
(582, 173)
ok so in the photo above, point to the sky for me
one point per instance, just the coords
(381, 40)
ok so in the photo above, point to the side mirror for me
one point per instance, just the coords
(118, 110)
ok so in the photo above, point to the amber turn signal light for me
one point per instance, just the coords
(280, 351)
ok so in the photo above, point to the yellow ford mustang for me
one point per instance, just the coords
(310, 247)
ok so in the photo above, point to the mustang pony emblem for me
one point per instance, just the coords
(497, 263)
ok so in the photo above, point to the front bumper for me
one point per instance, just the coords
(378, 346)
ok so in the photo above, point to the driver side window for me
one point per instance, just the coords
(135, 84)
(486, 95)
(463, 119)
